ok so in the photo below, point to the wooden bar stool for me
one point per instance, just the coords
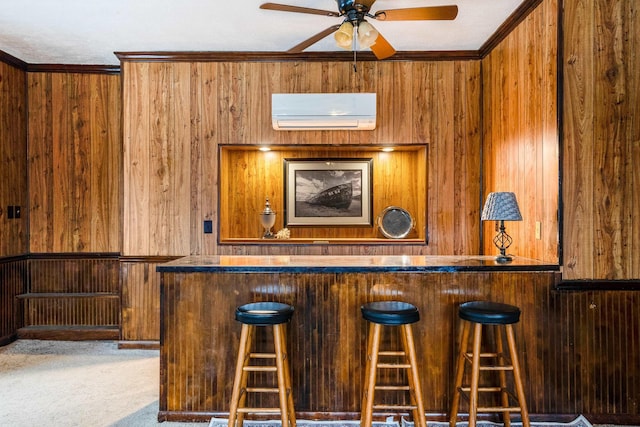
(479, 313)
(272, 314)
(391, 313)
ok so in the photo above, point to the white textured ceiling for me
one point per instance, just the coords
(90, 31)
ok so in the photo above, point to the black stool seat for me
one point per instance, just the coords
(390, 312)
(264, 313)
(489, 313)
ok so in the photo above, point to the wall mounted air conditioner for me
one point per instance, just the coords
(323, 111)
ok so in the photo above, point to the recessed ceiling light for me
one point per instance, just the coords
(388, 149)
(265, 149)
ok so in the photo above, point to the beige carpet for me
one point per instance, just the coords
(88, 383)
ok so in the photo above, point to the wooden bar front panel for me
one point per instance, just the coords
(327, 334)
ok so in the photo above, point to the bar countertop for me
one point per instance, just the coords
(346, 264)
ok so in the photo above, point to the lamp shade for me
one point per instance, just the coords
(501, 206)
(367, 35)
(344, 35)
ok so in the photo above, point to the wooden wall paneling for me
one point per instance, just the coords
(550, 212)
(197, 170)
(136, 152)
(520, 134)
(140, 302)
(163, 163)
(600, 109)
(12, 280)
(235, 88)
(180, 156)
(41, 203)
(610, 135)
(633, 184)
(13, 146)
(468, 151)
(63, 162)
(74, 158)
(401, 105)
(441, 157)
(204, 156)
(578, 143)
(385, 93)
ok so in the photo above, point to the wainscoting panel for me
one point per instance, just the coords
(71, 296)
(140, 302)
(12, 279)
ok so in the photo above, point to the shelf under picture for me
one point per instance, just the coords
(328, 192)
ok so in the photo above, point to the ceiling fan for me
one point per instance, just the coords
(354, 27)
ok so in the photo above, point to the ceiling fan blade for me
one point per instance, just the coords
(418, 13)
(298, 9)
(382, 48)
(367, 3)
(313, 39)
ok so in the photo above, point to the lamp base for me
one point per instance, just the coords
(503, 259)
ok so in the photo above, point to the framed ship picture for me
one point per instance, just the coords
(328, 192)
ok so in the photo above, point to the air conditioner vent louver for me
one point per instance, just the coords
(323, 111)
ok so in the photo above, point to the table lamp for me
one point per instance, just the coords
(501, 206)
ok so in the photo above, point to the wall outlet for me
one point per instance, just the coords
(538, 230)
(208, 226)
(10, 212)
(16, 212)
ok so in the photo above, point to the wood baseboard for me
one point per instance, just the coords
(69, 332)
(139, 345)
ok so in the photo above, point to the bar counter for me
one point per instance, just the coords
(327, 335)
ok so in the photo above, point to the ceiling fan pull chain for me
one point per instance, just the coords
(354, 47)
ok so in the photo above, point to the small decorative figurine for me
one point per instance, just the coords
(267, 219)
(283, 234)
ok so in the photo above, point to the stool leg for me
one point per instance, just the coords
(516, 375)
(287, 379)
(502, 375)
(414, 379)
(463, 344)
(475, 374)
(373, 346)
(282, 382)
(240, 378)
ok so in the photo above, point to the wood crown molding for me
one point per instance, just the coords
(202, 56)
(67, 68)
(508, 26)
(13, 61)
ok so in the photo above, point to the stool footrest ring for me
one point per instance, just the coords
(261, 390)
(259, 410)
(260, 368)
(393, 365)
(395, 407)
(392, 387)
(499, 409)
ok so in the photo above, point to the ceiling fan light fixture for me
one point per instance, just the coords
(344, 35)
(367, 35)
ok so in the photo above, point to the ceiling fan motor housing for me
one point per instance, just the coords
(353, 11)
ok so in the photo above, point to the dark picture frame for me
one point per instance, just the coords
(328, 192)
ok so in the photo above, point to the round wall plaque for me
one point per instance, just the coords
(395, 222)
